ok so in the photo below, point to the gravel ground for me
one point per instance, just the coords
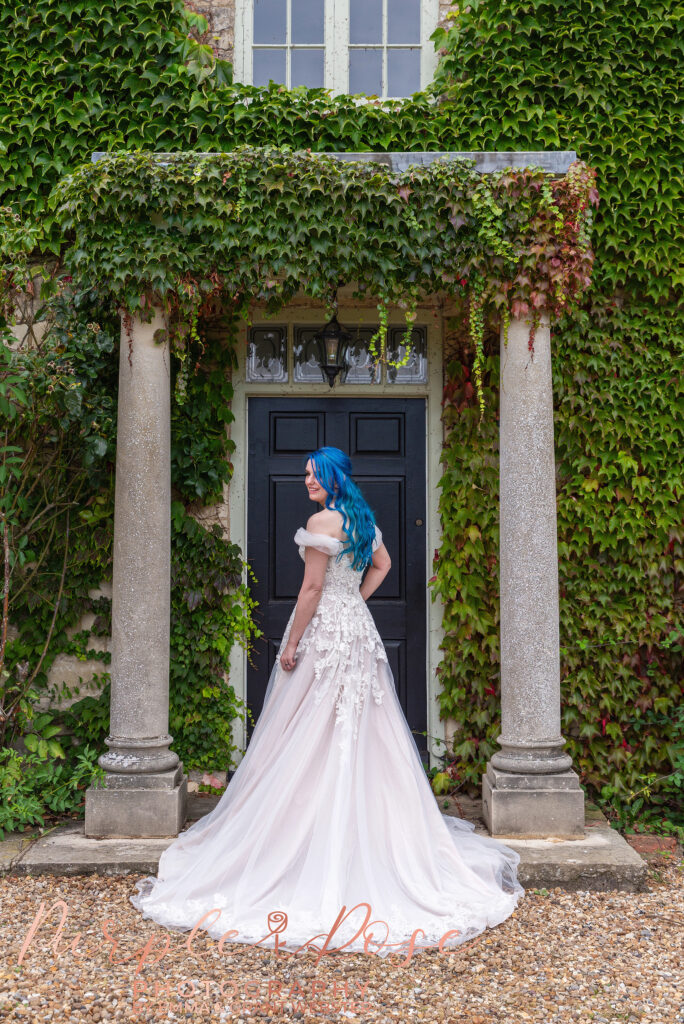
(561, 958)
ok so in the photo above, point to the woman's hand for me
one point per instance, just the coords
(288, 658)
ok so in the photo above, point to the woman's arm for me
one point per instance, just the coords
(379, 568)
(315, 564)
(309, 593)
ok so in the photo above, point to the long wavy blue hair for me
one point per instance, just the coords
(333, 470)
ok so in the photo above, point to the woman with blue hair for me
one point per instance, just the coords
(328, 836)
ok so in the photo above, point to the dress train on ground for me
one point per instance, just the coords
(331, 807)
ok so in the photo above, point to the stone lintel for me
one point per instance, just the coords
(486, 162)
(554, 162)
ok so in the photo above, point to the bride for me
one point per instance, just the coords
(328, 836)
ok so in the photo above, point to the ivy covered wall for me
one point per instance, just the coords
(603, 81)
(600, 79)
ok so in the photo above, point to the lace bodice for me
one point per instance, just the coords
(342, 635)
(339, 574)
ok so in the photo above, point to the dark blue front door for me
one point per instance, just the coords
(386, 441)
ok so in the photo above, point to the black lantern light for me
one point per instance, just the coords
(333, 343)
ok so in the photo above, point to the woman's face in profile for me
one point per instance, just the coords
(316, 492)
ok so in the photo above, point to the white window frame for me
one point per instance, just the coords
(336, 44)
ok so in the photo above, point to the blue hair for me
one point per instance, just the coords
(332, 468)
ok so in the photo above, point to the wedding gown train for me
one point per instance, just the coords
(331, 807)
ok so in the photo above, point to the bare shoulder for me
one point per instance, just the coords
(326, 521)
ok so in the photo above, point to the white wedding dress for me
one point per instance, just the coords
(331, 807)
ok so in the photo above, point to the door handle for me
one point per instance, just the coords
(419, 522)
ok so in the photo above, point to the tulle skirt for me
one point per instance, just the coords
(328, 836)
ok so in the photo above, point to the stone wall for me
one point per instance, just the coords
(221, 17)
(444, 7)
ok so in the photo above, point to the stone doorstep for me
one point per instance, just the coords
(64, 849)
(602, 861)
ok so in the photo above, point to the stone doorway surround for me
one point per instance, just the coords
(529, 789)
(302, 311)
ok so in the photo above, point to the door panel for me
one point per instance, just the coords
(385, 439)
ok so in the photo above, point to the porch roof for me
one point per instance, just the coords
(554, 162)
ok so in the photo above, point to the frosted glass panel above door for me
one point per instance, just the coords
(267, 354)
(306, 357)
(415, 370)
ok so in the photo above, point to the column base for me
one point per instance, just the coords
(145, 806)
(133, 757)
(532, 806)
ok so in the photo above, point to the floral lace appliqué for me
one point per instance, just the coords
(348, 648)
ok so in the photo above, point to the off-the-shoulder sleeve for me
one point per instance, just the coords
(378, 539)
(304, 539)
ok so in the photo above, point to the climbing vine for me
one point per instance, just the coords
(265, 223)
(607, 86)
(57, 455)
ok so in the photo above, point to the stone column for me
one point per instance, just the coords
(529, 788)
(145, 792)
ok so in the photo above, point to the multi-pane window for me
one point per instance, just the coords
(280, 352)
(373, 47)
(384, 47)
(288, 42)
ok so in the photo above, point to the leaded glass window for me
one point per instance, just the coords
(267, 354)
(415, 370)
(272, 348)
(306, 358)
